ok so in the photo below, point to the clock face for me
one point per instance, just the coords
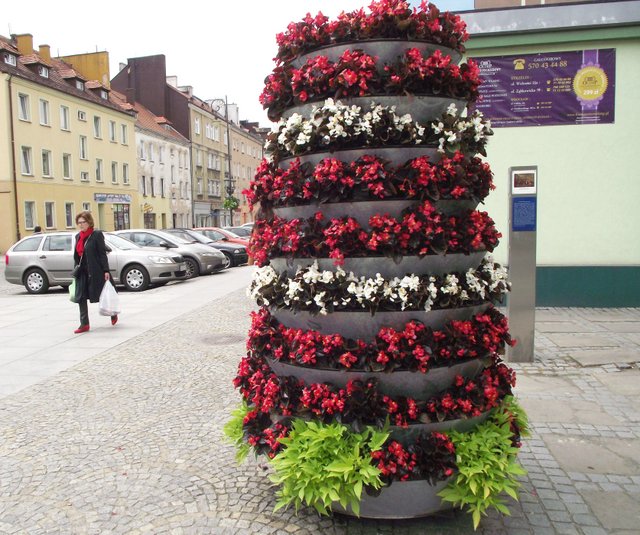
(590, 83)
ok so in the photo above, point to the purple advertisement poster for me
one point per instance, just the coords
(550, 88)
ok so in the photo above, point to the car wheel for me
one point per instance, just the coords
(228, 261)
(135, 278)
(192, 268)
(35, 281)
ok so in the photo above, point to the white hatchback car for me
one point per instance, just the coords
(45, 260)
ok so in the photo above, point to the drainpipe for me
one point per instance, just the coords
(13, 160)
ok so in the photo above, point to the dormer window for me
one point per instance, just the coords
(104, 95)
(43, 71)
(80, 85)
(9, 59)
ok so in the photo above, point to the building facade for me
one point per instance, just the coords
(247, 150)
(588, 225)
(64, 146)
(163, 169)
(207, 124)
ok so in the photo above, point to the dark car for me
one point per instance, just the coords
(235, 253)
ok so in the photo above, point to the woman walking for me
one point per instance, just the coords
(90, 257)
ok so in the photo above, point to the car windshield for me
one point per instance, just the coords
(239, 231)
(198, 237)
(120, 243)
(173, 237)
(212, 234)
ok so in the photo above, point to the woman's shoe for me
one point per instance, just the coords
(81, 329)
(114, 319)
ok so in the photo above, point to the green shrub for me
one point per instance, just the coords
(235, 433)
(486, 460)
(325, 463)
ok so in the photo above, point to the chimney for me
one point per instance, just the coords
(186, 89)
(130, 95)
(121, 66)
(45, 52)
(24, 43)
(172, 81)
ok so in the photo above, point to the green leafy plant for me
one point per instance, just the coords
(486, 460)
(234, 432)
(230, 203)
(325, 463)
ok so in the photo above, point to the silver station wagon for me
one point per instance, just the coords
(45, 260)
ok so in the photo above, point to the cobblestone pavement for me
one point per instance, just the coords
(131, 441)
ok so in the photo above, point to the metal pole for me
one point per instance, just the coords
(229, 184)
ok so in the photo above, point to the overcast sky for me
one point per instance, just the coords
(215, 46)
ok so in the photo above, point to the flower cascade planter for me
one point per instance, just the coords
(403, 499)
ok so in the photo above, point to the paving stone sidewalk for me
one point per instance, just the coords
(131, 440)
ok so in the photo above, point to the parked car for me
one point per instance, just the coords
(235, 254)
(248, 225)
(44, 260)
(199, 259)
(220, 235)
(241, 232)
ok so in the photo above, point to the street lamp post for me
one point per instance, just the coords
(229, 183)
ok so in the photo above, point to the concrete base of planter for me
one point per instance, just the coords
(402, 499)
(362, 211)
(387, 50)
(408, 435)
(417, 385)
(387, 267)
(422, 109)
(396, 155)
(365, 326)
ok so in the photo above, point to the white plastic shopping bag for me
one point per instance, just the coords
(109, 301)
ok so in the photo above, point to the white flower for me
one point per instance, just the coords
(452, 110)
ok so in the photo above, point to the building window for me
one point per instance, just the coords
(46, 163)
(161, 187)
(143, 182)
(97, 127)
(150, 152)
(226, 138)
(196, 125)
(83, 148)
(43, 71)
(49, 214)
(24, 112)
(69, 215)
(26, 161)
(199, 186)
(84, 176)
(142, 150)
(82, 116)
(66, 166)
(86, 206)
(123, 134)
(114, 172)
(104, 95)
(161, 154)
(29, 214)
(44, 113)
(98, 170)
(153, 186)
(64, 118)
(112, 131)
(80, 86)
(9, 59)
(125, 173)
(173, 174)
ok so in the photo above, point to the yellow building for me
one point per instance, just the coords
(64, 146)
